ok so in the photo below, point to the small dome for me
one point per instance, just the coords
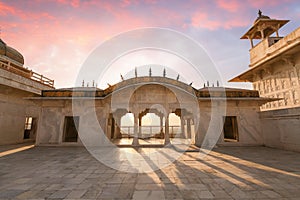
(261, 16)
(11, 53)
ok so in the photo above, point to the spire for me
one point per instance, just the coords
(259, 13)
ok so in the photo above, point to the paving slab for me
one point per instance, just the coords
(224, 173)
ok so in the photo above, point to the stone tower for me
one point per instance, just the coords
(274, 67)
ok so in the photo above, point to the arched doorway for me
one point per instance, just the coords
(152, 115)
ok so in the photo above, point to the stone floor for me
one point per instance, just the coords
(226, 173)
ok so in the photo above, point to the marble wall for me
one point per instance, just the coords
(280, 80)
(14, 107)
(14, 110)
(207, 131)
(280, 128)
(248, 122)
(92, 119)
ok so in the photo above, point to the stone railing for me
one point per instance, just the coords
(14, 68)
(271, 46)
(149, 131)
(258, 51)
(42, 79)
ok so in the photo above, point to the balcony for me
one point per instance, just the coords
(273, 46)
(15, 68)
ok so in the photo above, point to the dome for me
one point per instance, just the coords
(10, 53)
(261, 16)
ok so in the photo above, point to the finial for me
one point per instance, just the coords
(135, 72)
(164, 72)
(150, 72)
(204, 85)
(122, 78)
(191, 83)
(82, 83)
(259, 13)
(207, 83)
(177, 77)
(109, 85)
(93, 84)
(218, 84)
(87, 84)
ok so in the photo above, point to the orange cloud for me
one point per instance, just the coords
(6, 10)
(55, 36)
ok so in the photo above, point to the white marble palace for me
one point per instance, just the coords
(33, 110)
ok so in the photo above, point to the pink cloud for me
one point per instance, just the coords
(56, 35)
(202, 20)
(262, 4)
(73, 3)
(47, 40)
(169, 17)
(6, 10)
(151, 1)
(229, 5)
(126, 3)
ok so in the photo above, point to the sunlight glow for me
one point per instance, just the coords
(174, 120)
(150, 119)
(5, 153)
(127, 120)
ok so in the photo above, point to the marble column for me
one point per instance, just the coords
(251, 42)
(117, 127)
(182, 126)
(262, 34)
(189, 130)
(108, 127)
(161, 127)
(140, 126)
(167, 136)
(135, 141)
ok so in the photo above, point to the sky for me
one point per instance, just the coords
(57, 36)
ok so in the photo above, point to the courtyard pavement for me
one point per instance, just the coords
(225, 173)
